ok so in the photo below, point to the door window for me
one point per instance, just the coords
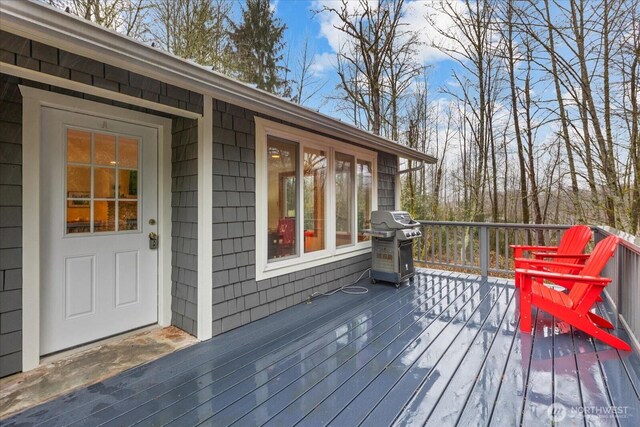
(102, 181)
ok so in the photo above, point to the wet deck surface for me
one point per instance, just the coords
(442, 351)
(95, 363)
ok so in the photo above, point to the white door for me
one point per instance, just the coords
(99, 205)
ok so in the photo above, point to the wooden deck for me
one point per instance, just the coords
(444, 350)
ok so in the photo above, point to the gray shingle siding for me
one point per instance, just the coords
(233, 216)
(25, 53)
(237, 297)
(387, 168)
(10, 225)
(184, 227)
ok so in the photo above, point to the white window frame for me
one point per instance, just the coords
(116, 199)
(305, 139)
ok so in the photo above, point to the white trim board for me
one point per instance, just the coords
(205, 221)
(33, 101)
(37, 76)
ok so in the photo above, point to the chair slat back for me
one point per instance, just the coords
(573, 241)
(601, 254)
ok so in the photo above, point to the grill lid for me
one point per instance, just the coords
(392, 220)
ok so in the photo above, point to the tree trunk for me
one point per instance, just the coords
(563, 116)
(605, 148)
(516, 120)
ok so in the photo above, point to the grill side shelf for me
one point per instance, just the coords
(381, 234)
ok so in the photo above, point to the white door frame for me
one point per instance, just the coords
(33, 101)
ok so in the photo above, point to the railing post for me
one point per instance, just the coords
(484, 250)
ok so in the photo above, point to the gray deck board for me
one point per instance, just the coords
(566, 380)
(621, 391)
(361, 369)
(443, 350)
(369, 399)
(539, 391)
(320, 406)
(480, 403)
(446, 408)
(218, 379)
(426, 377)
(330, 345)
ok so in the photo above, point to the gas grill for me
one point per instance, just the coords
(392, 234)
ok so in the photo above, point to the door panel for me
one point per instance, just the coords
(80, 286)
(98, 195)
(127, 278)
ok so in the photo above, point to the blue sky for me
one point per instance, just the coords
(301, 20)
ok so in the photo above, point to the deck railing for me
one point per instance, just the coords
(478, 246)
(624, 270)
(484, 248)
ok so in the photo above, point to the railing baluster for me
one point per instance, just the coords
(506, 249)
(484, 251)
(496, 246)
(433, 244)
(447, 247)
(463, 247)
(472, 245)
(455, 245)
(440, 246)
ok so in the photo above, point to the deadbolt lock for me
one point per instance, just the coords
(153, 240)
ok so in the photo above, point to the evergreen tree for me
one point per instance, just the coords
(257, 44)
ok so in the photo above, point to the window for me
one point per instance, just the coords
(282, 161)
(316, 194)
(315, 177)
(101, 182)
(344, 199)
(365, 183)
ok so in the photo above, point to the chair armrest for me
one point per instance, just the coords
(548, 275)
(542, 263)
(534, 247)
(554, 255)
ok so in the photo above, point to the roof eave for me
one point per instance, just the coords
(45, 24)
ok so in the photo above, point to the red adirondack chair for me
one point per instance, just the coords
(568, 252)
(573, 307)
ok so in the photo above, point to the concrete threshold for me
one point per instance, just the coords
(64, 372)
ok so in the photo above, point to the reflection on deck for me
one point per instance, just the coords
(443, 350)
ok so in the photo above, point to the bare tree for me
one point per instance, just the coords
(194, 29)
(125, 16)
(511, 67)
(374, 43)
(304, 85)
(469, 42)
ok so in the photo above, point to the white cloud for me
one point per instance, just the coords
(329, 21)
(420, 17)
(323, 63)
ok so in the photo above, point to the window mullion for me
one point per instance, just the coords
(330, 202)
(300, 201)
(92, 193)
(354, 205)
